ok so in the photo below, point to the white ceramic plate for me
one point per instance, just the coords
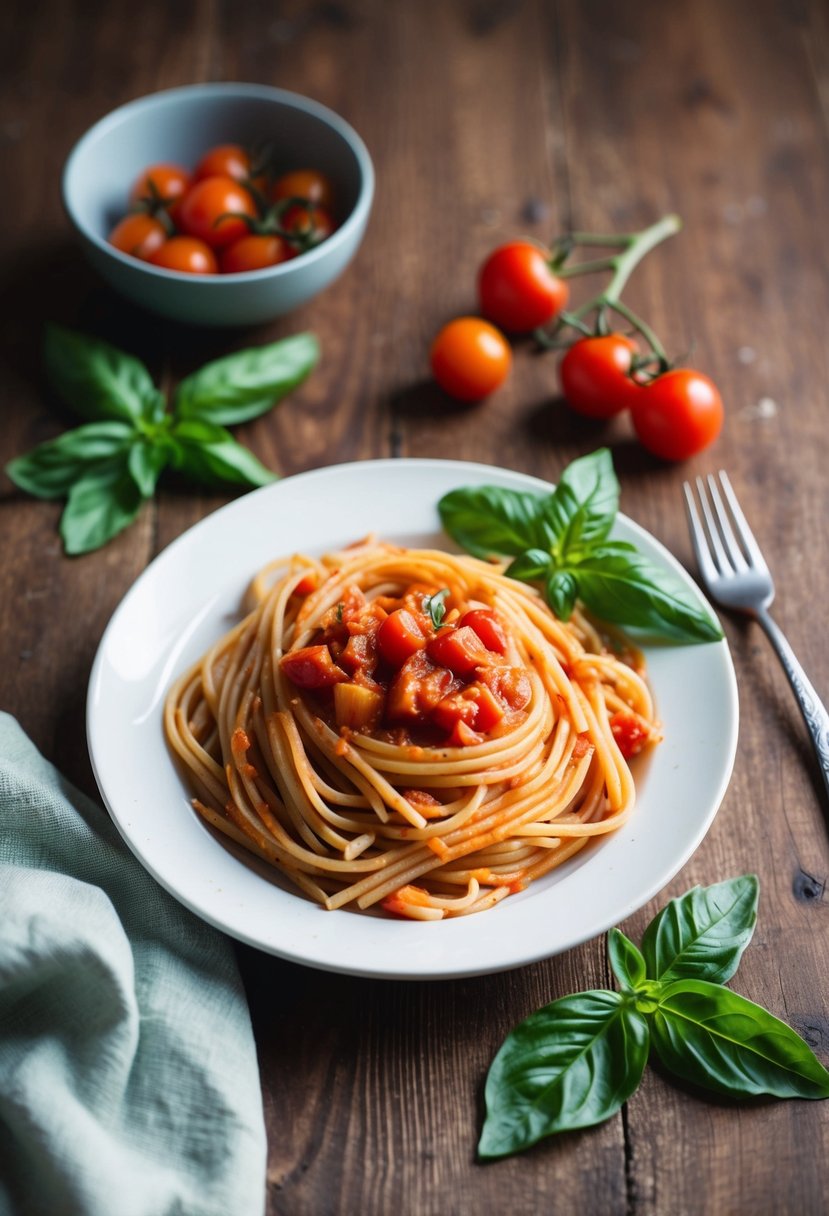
(190, 596)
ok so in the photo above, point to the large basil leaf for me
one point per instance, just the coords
(100, 505)
(97, 380)
(211, 455)
(703, 934)
(715, 1038)
(625, 959)
(490, 521)
(620, 585)
(572, 1064)
(50, 470)
(245, 385)
(583, 507)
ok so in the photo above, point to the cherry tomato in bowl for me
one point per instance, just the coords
(595, 375)
(224, 160)
(518, 290)
(254, 252)
(678, 414)
(138, 234)
(470, 358)
(306, 184)
(162, 185)
(186, 254)
(216, 211)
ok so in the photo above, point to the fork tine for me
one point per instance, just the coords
(752, 549)
(721, 560)
(707, 568)
(735, 553)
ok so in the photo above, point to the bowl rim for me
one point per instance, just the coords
(298, 101)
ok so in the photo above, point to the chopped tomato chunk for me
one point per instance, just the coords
(629, 732)
(475, 705)
(359, 653)
(417, 688)
(511, 685)
(399, 637)
(461, 650)
(306, 584)
(463, 736)
(312, 667)
(488, 627)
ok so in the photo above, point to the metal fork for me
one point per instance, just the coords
(736, 576)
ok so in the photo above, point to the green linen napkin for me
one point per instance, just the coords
(128, 1075)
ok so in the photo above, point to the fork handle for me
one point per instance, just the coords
(814, 711)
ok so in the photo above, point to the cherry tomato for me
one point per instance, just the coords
(594, 375)
(310, 225)
(225, 160)
(677, 414)
(254, 252)
(307, 184)
(186, 253)
(138, 234)
(160, 186)
(518, 290)
(205, 203)
(470, 358)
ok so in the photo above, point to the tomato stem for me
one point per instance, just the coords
(596, 264)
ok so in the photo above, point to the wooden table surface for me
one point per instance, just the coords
(486, 119)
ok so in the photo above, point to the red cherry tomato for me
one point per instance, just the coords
(307, 184)
(310, 225)
(225, 160)
(201, 211)
(254, 253)
(138, 234)
(186, 253)
(677, 414)
(518, 290)
(595, 376)
(160, 186)
(470, 358)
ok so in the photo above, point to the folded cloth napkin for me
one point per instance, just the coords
(128, 1075)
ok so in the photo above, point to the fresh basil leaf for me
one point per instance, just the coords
(703, 934)
(244, 385)
(561, 590)
(625, 959)
(583, 506)
(715, 1038)
(490, 521)
(146, 460)
(620, 585)
(100, 505)
(209, 454)
(435, 607)
(50, 469)
(572, 1064)
(97, 380)
(529, 566)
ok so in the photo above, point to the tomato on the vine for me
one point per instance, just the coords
(310, 225)
(595, 375)
(225, 160)
(160, 185)
(518, 290)
(254, 252)
(307, 184)
(186, 253)
(214, 210)
(677, 414)
(470, 358)
(138, 234)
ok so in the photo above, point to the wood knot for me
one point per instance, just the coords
(807, 888)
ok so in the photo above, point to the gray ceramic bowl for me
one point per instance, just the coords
(179, 125)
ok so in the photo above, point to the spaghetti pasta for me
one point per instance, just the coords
(410, 729)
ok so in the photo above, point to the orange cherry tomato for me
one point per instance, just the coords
(254, 252)
(470, 358)
(304, 183)
(138, 234)
(187, 254)
(213, 210)
(310, 225)
(225, 160)
(160, 186)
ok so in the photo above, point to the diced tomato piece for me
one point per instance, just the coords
(511, 685)
(312, 667)
(629, 732)
(417, 689)
(463, 736)
(488, 627)
(306, 584)
(359, 653)
(369, 620)
(475, 705)
(582, 745)
(461, 650)
(399, 637)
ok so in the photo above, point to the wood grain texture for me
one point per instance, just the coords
(486, 119)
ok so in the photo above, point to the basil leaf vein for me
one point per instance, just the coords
(702, 934)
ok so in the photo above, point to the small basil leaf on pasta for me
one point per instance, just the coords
(50, 470)
(625, 959)
(702, 934)
(572, 1064)
(242, 386)
(713, 1037)
(490, 521)
(561, 590)
(620, 585)
(435, 606)
(100, 505)
(146, 461)
(209, 454)
(583, 506)
(97, 380)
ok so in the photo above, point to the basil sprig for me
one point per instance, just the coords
(107, 468)
(575, 1062)
(560, 542)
